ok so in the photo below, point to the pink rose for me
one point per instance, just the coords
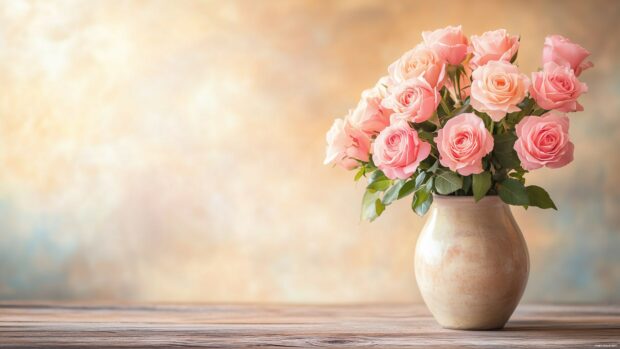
(346, 144)
(543, 141)
(384, 85)
(413, 100)
(398, 150)
(370, 116)
(421, 61)
(557, 87)
(449, 43)
(494, 45)
(497, 88)
(463, 142)
(562, 51)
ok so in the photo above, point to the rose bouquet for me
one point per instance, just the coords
(456, 117)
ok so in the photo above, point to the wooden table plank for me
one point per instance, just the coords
(55, 325)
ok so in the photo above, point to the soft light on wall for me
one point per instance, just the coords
(154, 150)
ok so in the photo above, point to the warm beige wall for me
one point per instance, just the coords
(171, 150)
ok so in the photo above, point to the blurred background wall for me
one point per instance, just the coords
(172, 150)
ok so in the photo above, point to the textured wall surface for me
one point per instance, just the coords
(172, 150)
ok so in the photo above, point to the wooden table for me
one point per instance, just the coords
(48, 325)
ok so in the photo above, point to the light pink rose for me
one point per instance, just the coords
(543, 141)
(497, 88)
(494, 45)
(398, 150)
(346, 144)
(562, 51)
(370, 115)
(463, 142)
(412, 100)
(449, 43)
(556, 87)
(420, 61)
(384, 84)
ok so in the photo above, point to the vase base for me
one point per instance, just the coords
(481, 328)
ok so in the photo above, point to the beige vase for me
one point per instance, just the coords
(471, 262)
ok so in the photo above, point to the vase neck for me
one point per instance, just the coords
(467, 202)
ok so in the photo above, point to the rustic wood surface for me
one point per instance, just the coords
(56, 325)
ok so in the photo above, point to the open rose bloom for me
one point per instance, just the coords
(456, 116)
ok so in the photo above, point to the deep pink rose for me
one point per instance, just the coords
(346, 144)
(449, 43)
(543, 141)
(562, 51)
(497, 88)
(463, 142)
(370, 115)
(412, 100)
(557, 87)
(398, 150)
(421, 61)
(494, 45)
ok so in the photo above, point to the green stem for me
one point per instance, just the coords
(435, 119)
(458, 83)
(444, 106)
(504, 125)
(528, 110)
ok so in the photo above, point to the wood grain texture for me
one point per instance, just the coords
(54, 325)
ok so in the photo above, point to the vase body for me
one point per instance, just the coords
(471, 262)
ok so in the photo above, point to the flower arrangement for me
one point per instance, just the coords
(455, 116)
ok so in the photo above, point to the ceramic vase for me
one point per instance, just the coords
(471, 262)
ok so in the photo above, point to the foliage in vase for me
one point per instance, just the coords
(455, 116)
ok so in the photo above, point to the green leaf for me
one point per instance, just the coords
(407, 189)
(430, 164)
(434, 167)
(376, 176)
(412, 185)
(443, 109)
(466, 184)
(447, 182)
(380, 185)
(360, 173)
(488, 122)
(419, 179)
(379, 207)
(369, 170)
(539, 112)
(512, 192)
(422, 199)
(526, 107)
(427, 136)
(377, 181)
(481, 184)
(393, 193)
(539, 197)
(503, 150)
(426, 126)
(371, 164)
(518, 174)
(369, 206)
